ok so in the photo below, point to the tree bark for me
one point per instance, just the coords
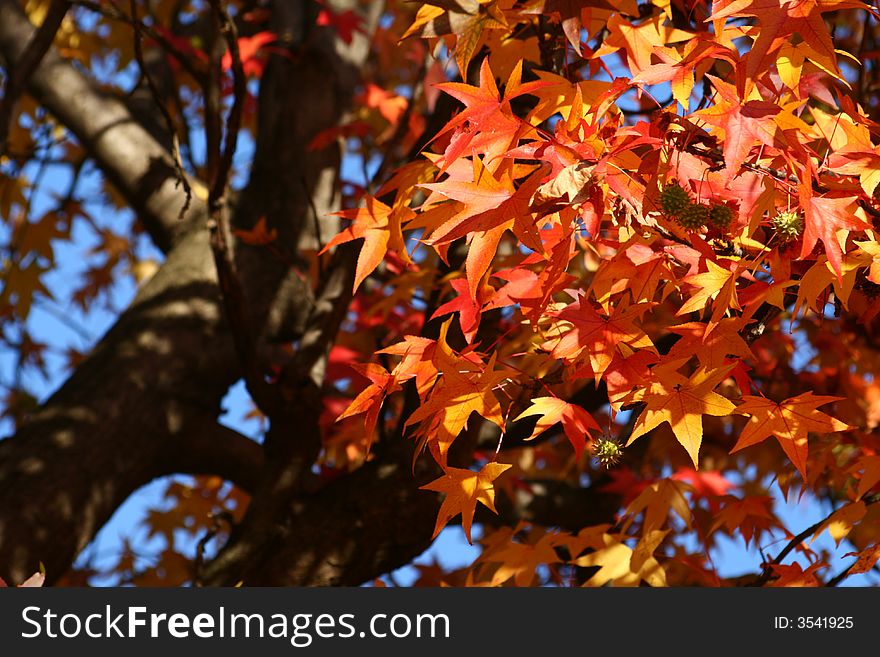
(145, 402)
(128, 413)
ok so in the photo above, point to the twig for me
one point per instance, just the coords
(199, 562)
(219, 164)
(239, 92)
(767, 572)
(113, 12)
(137, 26)
(33, 54)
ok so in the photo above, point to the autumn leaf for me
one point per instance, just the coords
(520, 560)
(745, 124)
(468, 20)
(750, 516)
(656, 501)
(794, 575)
(789, 421)
(840, 523)
(369, 401)
(464, 388)
(712, 349)
(867, 559)
(869, 467)
(682, 403)
(597, 335)
(251, 52)
(616, 563)
(718, 284)
(487, 125)
(380, 227)
(464, 488)
(468, 308)
(779, 20)
(491, 206)
(259, 235)
(576, 422)
(823, 217)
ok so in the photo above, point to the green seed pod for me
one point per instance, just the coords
(693, 216)
(673, 199)
(720, 216)
(788, 225)
(608, 451)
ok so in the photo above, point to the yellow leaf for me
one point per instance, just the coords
(464, 488)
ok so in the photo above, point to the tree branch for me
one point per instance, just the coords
(142, 170)
(30, 58)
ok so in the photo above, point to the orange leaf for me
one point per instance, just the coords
(259, 235)
(682, 403)
(790, 421)
(380, 228)
(576, 422)
(464, 488)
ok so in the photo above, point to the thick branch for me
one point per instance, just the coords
(142, 170)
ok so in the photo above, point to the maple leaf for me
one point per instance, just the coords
(599, 336)
(569, 14)
(576, 422)
(417, 361)
(712, 350)
(259, 235)
(466, 387)
(840, 523)
(520, 561)
(789, 421)
(751, 516)
(487, 122)
(657, 500)
(823, 217)
(719, 284)
(464, 488)
(745, 124)
(380, 228)
(346, 23)
(794, 575)
(638, 39)
(682, 403)
(869, 466)
(369, 401)
(871, 248)
(867, 559)
(491, 206)
(249, 50)
(615, 560)
(779, 20)
(678, 68)
(468, 20)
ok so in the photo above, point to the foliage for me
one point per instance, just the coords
(639, 243)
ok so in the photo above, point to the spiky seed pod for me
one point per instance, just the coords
(788, 225)
(720, 216)
(608, 451)
(693, 216)
(673, 199)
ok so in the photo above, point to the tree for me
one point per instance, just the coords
(605, 277)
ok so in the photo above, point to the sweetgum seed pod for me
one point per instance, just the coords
(673, 199)
(720, 216)
(693, 216)
(788, 225)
